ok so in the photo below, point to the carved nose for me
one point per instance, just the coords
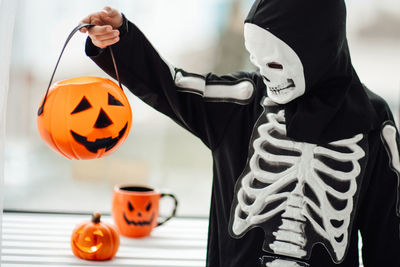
(102, 120)
(139, 214)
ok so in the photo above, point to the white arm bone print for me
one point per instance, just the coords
(305, 184)
(389, 137)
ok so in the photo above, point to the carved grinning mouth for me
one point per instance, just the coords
(140, 223)
(89, 250)
(107, 143)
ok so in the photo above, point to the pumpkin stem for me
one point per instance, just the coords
(96, 217)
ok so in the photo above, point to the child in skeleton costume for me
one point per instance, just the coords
(304, 155)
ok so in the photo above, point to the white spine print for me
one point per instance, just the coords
(302, 165)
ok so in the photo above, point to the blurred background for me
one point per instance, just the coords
(197, 35)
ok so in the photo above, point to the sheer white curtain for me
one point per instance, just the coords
(7, 12)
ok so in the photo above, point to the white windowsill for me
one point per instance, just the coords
(33, 240)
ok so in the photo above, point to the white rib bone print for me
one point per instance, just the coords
(303, 166)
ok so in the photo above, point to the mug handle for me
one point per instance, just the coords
(173, 211)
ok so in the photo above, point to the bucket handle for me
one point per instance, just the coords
(77, 28)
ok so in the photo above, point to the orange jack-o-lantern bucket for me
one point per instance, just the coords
(84, 117)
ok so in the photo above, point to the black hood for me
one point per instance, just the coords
(335, 104)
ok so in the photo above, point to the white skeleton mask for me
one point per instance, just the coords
(283, 84)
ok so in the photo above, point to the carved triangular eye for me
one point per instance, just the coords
(130, 206)
(83, 105)
(113, 101)
(148, 207)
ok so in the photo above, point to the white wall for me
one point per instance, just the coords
(7, 11)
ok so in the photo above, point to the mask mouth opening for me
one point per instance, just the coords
(281, 88)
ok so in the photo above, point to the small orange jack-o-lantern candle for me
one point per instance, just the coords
(85, 117)
(95, 240)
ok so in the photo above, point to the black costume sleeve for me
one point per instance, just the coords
(378, 220)
(189, 99)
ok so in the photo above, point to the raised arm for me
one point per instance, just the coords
(203, 104)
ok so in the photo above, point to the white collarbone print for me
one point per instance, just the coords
(299, 193)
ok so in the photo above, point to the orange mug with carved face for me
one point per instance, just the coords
(135, 210)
